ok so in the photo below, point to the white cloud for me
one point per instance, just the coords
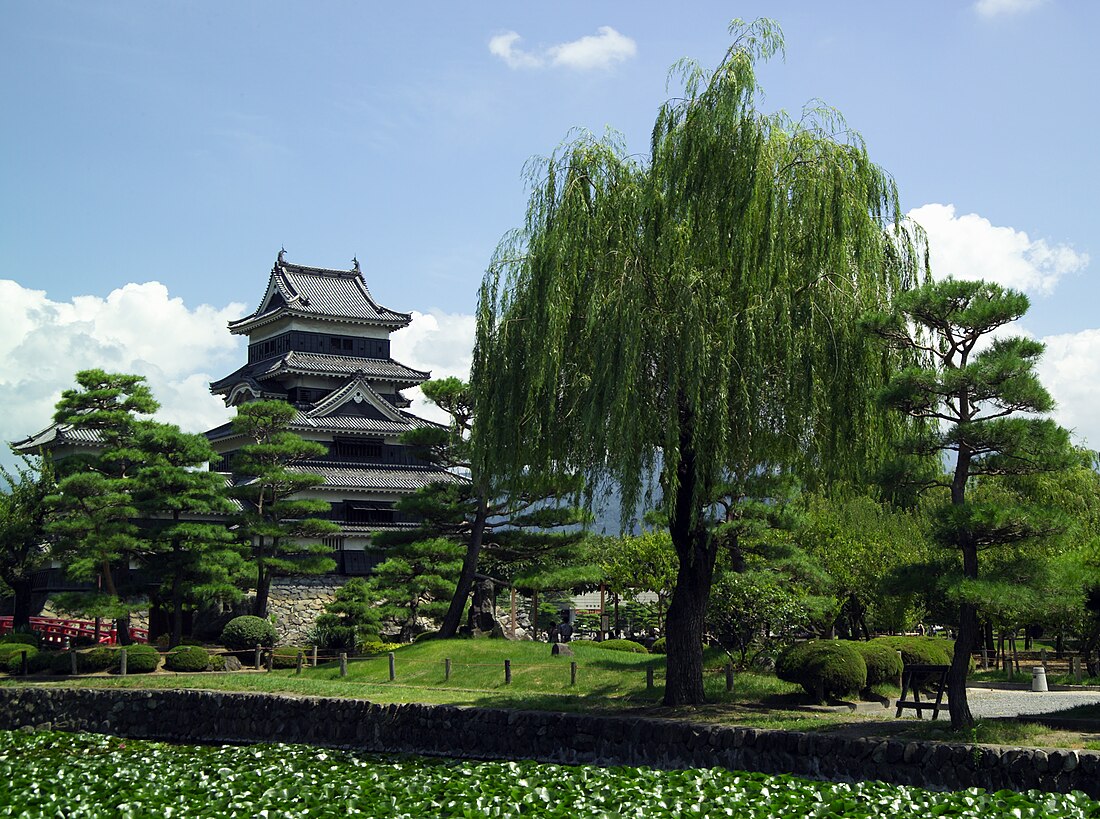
(1070, 369)
(971, 247)
(137, 328)
(436, 341)
(594, 51)
(996, 8)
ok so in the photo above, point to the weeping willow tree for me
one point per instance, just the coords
(692, 314)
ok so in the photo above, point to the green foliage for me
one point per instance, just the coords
(13, 649)
(187, 658)
(623, 645)
(756, 609)
(284, 539)
(15, 660)
(350, 619)
(99, 658)
(23, 517)
(287, 656)
(248, 631)
(30, 638)
(832, 668)
(71, 772)
(918, 650)
(416, 580)
(658, 646)
(140, 659)
(883, 663)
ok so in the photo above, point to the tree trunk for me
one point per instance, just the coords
(177, 611)
(465, 585)
(263, 591)
(965, 641)
(684, 624)
(21, 614)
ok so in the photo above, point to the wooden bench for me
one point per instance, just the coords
(915, 676)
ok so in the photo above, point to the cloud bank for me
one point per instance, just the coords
(971, 247)
(440, 342)
(593, 52)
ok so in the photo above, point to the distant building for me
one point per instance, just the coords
(320, 341)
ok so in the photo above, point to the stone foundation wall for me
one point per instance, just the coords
(296, 602)
(482, 733)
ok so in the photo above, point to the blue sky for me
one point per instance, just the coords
(183, 144)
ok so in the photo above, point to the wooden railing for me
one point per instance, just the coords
(56, 630)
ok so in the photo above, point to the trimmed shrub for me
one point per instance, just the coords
(917, 650)
(14, 660)
(623, 645)
(883, 663)
(140, 659)
(658, 646)
(187, 658)
(831, 668)
(287, 656)
(100, 658)
(26, 638)
(242, 633)
(13, 649)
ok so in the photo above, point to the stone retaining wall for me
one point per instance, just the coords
(482, 733)
(297, 602)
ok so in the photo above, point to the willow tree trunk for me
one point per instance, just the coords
(453, 616)
(684, 625)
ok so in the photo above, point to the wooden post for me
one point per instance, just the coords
(573, 672)
(343, 664)
(23, 669)
(985, 655)
(512, 624)
(535, 615)
(902, 674)
(603, 603)
(301, 660)
(257, 659)
(72, 662)
(1075, 668)
(447, 669)
(271, 659)
(729, 677)
(122, 662)
(1043, 659)
(649, 676)
(393, 669)
(507, 672)
(315, 656)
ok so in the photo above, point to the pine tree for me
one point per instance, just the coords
(694, 313)
(973, 394)
(283, 538)
(416, 580)
(23, 516)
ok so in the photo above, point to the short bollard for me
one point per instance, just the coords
(301, 661)
(122, 663)
(271, 659)
(315, 656)
(447, 670)
(573, 672)
(23, 669)
(1038, 678)
(72, 662)
(393, 668)
(729, 677)
(343, 664)
(649, 676)
(257, 659)
(507, 672)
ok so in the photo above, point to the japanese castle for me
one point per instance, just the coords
(320, 341)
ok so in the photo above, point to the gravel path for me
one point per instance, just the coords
(985, 702)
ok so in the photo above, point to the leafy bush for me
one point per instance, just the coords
(14, 661)
(917, 650)
(242, 633)
(287, 656)
(99, 658)
(658, 646)
(624, 645)
(187, 658)
(378, 647)
(831, 668)
(13, 649)
(341, 639)
(140, 659)
(883, 663)
(26, 638)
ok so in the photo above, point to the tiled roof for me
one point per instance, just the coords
(321, 364)
(376, 478)
(317, 292)
(340, 423)
(56, 435)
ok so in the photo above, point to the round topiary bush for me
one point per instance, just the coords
(99, 658)
(26, 638)
(14, 660)
(13, 649)
(829, 668)
(140, 659)
(187, 658)
(623, 645)
(883, 663)
(658, 646)
(242, 633)
(917, 650)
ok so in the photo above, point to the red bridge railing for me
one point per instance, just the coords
(55, 630)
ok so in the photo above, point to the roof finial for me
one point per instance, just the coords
(282, 255)
(355, 264)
